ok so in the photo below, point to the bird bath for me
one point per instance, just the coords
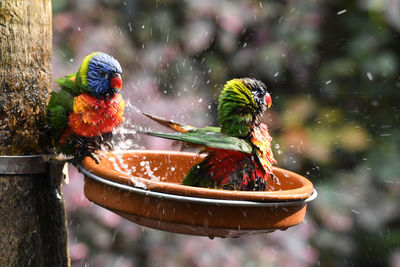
(144, 187)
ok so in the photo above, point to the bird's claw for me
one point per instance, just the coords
(83, 154)
(94, 157)
(273, 177)
(108, 145)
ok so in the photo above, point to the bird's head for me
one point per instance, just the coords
(241, 104)
(100, 75)
(259, 93)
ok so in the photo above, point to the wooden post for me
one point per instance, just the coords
(33, 226)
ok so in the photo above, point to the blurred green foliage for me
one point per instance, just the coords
(332, 68)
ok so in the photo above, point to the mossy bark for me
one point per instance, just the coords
(25, 74)
(33, 227)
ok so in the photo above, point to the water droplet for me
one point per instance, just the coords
(370, 77)
(355, 211)
(342, 11)
(114, 236)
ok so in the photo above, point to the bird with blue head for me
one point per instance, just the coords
(84, 112)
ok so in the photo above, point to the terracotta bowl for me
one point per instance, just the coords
(144, 187)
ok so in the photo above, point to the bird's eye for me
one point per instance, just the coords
(102, 73)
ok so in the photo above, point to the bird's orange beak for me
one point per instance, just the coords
(268, 100)
(116, 82)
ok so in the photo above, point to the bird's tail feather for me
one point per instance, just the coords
(170, 124)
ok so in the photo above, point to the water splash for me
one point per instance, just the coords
(277, 181)
(121, 166)
(149, 171)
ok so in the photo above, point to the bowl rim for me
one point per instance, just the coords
(195, 199)
(301, 193)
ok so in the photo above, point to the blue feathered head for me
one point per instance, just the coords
(100, 75)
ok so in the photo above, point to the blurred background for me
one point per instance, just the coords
(332, 68)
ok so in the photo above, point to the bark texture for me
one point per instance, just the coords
(33, 227)
(25, 74)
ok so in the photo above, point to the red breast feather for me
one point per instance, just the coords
(235, 170)
(93, 116)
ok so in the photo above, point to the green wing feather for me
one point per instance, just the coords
(207, 136)
(209, 139)
(58, 110)
(61, 104)
(67, 83)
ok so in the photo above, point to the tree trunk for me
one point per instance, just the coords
(33, 227)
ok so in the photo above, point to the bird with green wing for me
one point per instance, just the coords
(239, 154)
(88, 106)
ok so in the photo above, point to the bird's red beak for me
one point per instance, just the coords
(116, 82)
(268, 100)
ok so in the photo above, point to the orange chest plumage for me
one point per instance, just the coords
(261, 139)
(92, 116)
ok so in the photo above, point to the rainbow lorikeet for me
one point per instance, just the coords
(239, 155)
(83, 113)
